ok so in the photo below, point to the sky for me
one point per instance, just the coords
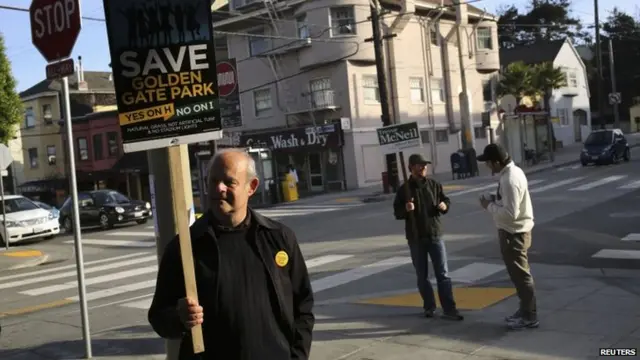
(28, 65)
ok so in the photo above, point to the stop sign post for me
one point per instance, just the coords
(55, 26)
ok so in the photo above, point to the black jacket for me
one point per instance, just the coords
(427, 217)
(291, 285)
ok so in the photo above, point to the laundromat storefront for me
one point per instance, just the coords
(315, 153)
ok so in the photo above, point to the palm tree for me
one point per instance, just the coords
(517, 80)
(546, 78)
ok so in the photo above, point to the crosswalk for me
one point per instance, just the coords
(573, 184)
(621, 254)
(133, 276)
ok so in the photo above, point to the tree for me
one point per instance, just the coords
(545, 78)
(11, 110)
(545, 20)
(516, 80)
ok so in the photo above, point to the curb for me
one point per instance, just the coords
(30, 263)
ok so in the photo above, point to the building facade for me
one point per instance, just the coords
(307, 66)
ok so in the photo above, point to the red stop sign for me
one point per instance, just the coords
(55, 25)
(227, 78)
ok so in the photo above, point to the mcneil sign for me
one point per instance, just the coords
(398, 137)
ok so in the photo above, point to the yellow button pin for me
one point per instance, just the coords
(282, 259)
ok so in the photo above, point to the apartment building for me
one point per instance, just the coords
(306, 64)
(43, 156)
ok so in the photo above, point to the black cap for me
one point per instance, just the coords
(417, 159)
(493, 152)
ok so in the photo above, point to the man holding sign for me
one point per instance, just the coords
(255, 296)
(427, 203)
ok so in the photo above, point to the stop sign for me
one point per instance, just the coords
(55, 25)
(227, 78)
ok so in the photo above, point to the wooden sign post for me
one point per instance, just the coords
(167, 97)
(394, 139)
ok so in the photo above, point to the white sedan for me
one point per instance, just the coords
(25, 220)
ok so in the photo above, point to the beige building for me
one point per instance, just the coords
(44, 173)
(328, 76)
(634, 114)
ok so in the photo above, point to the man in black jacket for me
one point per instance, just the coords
(421, 213)
(255, 297)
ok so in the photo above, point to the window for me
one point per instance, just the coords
(262, 102)
(343, 21)
(33, 157)
(572, 79)
(258, 44)
(370, 90)
(51, 154)
(442, 136)
(437, 91)
(29, 118)
(480, 132)
(83, 148)
(563, 114)
(484, 38)
(487, 91)
(426, 136)
(303, 27)
(112, 143)
(433, 35)
(321, 93)
(98, 152)
(47, 116)
(416, 87)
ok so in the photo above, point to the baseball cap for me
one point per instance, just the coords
(493, 152)
(417, 159)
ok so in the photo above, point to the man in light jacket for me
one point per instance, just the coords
(512, 213)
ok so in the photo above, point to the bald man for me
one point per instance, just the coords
(255, 297)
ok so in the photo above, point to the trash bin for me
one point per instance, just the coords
(289, 188)
(386, 188)
(472, 161)
(459, 166)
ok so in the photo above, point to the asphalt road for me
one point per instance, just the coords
(353, 250)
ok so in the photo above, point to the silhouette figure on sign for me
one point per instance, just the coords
(192, 22)
(165, 22)
(178, 17)
(143, 28)
(154, 25)
(132, 27)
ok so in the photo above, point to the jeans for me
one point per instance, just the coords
(514, 249)
(434, 248)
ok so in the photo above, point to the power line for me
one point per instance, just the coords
(15, 8)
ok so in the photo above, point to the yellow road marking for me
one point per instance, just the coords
(23, 253)
(467, 298)
(344, 200)
(453, 187)
(34, 308)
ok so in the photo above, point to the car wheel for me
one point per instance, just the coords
(584, 163)
(627, 155)
(105, 223)
(143, 221)
(68, 226)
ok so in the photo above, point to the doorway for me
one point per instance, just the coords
(316, 177)
(579, 119)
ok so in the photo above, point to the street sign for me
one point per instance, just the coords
(615, 98)
(230, 111)
(5, 157)
(60, 69)
(55, 25)
(166, 90)
(396, 138)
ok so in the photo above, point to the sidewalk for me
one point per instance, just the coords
(20, 257)
(580, 311)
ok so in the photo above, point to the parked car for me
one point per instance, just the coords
(54, 211)
(104, 208)
(25, 220)
(605, 146)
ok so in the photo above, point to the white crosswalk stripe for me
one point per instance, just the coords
(599, 182)
(131, 279)
(617, 254)
(301, 210)
(555, 185)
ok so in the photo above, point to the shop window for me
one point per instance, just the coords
(33, 157)
(51, 154)
(83, 149)
(442, 136)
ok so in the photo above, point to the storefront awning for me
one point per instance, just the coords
(134, 162)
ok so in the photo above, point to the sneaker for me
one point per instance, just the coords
(429, 313)
(520, 323)
(514, 317)
(453, 315)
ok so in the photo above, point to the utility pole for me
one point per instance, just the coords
(392, 166)
(468, 140)
(599, 65)
(612, 71)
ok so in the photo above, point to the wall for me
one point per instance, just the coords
(87, 129)
(15, 146)
(568, 58)
(634, 113)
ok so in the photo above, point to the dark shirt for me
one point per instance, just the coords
(247, 328)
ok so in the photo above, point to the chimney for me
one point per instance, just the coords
(82, 85)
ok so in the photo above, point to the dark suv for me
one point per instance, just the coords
(605, 146)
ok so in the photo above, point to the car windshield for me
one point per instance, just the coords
(19, 204)
(43, 205)
(599, 138)
(114, 197)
